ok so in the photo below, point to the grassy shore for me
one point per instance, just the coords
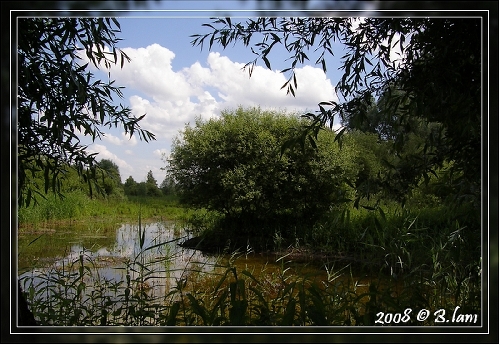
(423, 260)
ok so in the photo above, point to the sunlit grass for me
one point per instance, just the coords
(77, 206)
(400, 260)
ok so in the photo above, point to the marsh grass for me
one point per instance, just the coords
(73, 292)
(76, 206)
(403, 260)
(230, 294)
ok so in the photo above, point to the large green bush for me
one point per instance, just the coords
(234, 165)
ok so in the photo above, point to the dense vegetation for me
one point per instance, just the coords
(234, 166)
(262, 197)
(116, 199)
(394, 195)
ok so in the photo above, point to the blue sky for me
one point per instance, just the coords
(173, 83)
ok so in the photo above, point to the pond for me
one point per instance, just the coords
(152, 251)
(112, 254)
(126, 274)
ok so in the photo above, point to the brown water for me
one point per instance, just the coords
(114, 252)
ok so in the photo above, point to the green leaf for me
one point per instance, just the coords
(237, 312)
(266, 61)
(312, 142)
(172, 315)
(197, 308)
(382, 213)
(356, 202)
(248, 274)
(117, 23)
(289, 315)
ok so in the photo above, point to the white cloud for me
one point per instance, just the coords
(124, 140)
(163, 118)
(170, 99)
(150, 71)
(160, 153)
(112, 139)
(103, 153)
(264, 87)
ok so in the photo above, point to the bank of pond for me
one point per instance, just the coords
(154, 273)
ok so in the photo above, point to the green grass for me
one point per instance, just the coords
(427, 258)
(78, 206)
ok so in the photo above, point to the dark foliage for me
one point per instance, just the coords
(59, 97)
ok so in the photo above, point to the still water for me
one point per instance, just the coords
(112, 253)
(152, 249)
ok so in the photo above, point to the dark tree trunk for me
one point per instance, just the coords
(25, 316)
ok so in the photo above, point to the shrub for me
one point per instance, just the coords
(234, 165)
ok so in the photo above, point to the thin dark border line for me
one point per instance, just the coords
(256, 10)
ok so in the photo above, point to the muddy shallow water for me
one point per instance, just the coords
(153, 250)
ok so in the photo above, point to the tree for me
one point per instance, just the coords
(142, 189)
(167, 186)
(130, 186)
(110, 176)
(234, 165)
(150, 179)
(151, 185)
(437, 78)
(59, 97)
(404, 163)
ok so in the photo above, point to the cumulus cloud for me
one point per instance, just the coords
(150, 71)
(160, 153)
(104, 153)
(235, 87)
(171, 99)
(124, 140)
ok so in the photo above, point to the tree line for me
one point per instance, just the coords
(107, 182)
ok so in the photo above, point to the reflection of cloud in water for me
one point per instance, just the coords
(103, 252)
(162, 260)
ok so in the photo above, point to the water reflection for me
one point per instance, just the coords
(155, 265)
(158, 259)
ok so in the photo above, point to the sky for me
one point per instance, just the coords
(173, 83)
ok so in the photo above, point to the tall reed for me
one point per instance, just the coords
(410, 270)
